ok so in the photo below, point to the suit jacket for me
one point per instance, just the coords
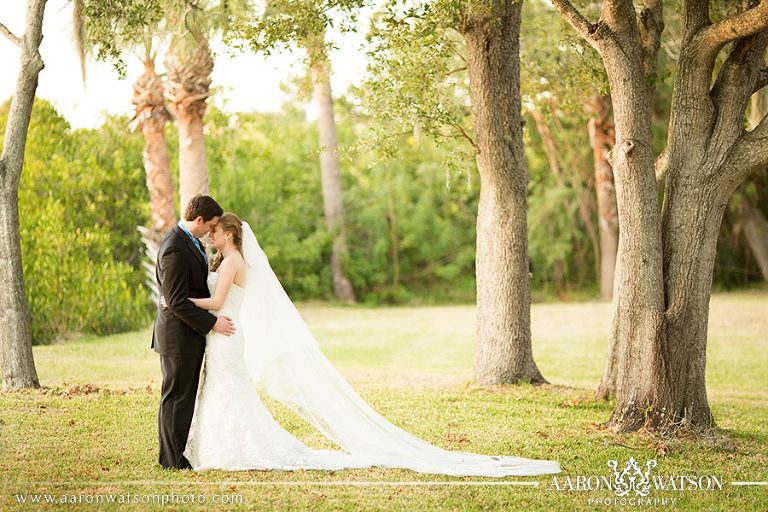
(181, 272)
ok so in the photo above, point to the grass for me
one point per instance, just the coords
(92, 428)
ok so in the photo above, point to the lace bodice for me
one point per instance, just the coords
(234, 300)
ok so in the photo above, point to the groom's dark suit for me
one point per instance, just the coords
(179, 338)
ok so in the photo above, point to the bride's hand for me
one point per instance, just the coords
(224, 325)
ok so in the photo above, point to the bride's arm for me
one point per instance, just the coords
(226, 272)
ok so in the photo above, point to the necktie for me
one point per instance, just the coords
(200, 246)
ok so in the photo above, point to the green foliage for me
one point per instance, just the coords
(417, 76)
(556, 63)
(117, 26)
(265, 168)
(112, 27)
(81, 196)
(288, 23)
(431, 212)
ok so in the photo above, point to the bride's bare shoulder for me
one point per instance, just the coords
(234, 261)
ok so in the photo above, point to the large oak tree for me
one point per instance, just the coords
(666, 251)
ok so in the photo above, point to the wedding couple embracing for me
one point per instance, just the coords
(255, 341)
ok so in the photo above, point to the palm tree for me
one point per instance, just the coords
(150, 117)
(113, 31)
(189, 64)
(187, 90)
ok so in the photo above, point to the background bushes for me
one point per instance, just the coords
(83, 193)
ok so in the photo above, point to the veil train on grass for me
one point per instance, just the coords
(285, 362)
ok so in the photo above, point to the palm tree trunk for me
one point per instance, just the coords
(18, 365)
(602, 138)
(330, 169)
(189, 80)
(152, 116)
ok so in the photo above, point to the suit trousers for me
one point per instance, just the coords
(177, 405)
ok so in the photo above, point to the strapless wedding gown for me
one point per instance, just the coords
(233, 430)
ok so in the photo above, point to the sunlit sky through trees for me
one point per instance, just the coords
(243, 81)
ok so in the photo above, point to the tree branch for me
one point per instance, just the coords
(10, 35)
(619, 15)
(575, 18)
(749, 154)
(20, 110)
(744, 24)
(457, 70)
(463, 133)
(735, 84)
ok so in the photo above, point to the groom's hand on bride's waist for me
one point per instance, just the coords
(224, 325)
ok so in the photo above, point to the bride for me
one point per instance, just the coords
(274, 352)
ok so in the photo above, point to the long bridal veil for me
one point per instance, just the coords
(285, 361)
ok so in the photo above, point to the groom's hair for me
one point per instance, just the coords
(202, 206)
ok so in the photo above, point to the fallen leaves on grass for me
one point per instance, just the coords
(454, 438)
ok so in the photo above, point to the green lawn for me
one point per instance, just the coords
(92, 428)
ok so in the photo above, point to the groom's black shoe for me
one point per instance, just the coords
(183, 465)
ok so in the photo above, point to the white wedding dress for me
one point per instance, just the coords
(274, 352)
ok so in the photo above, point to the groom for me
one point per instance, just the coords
(180, 327)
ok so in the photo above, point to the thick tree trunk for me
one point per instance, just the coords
(504, 353)
(18, 366)
(692, 220)
(152, 116)
(330, 169)
(602, 138)
(665, 261)
(189, 80)
(157, 164)
(638, 288)
(638, 293)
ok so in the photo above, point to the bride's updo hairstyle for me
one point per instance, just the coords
(230, 223)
